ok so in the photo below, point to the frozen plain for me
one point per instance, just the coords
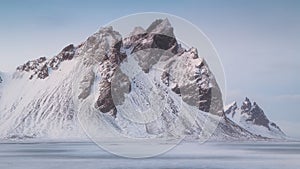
(210, 155)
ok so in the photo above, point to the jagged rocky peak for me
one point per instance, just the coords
(190, 77)
(105, 47)
(160, 35)
(158, 43)
(1, 80)
(101, 45)
(148, 47)
(39, 68)
(161, 26)
(111, 56)
(66, 54)
(255, 113)
(250, 115)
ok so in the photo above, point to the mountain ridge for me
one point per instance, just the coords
(50, 94)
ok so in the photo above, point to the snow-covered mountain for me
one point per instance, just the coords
(144, 85)
(253, 119)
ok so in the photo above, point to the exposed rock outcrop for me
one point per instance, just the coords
(109, 58)
(39, 68)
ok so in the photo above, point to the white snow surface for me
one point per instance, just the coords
(38, 108)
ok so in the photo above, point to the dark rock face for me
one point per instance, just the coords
(190, 78)
(109, 64)
(1, 80)
(117, 56)
(176, 89)
(246, 106)
(233, 109)
(274, 125)
(159, 35)
(200, 90)
(42, 73)
(256, 114)
(66, 54)
(105, 102)
(153, 40)
(39, 68)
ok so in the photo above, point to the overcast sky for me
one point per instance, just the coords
(258, 41)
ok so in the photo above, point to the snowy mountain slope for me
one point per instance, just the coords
(1, 84)
(252, 118)
(167, 117)
(142, 86)
(31, 108)
(3, 77)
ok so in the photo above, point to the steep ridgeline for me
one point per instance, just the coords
(184, 72)
(253, 119)
(37, 99)
(40, 67)
(45, 98)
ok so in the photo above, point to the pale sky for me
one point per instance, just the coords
(258, 41)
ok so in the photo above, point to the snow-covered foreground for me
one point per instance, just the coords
(186, 155)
